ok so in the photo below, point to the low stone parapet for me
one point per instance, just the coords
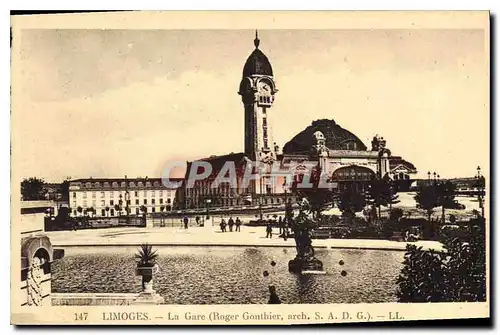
(93, 299)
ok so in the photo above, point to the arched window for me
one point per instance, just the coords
(353, 173)
(106, 184)
(132, 184)
(140, 184)
(88, 184)
(148, 184)
(115, 184)
(97, 184)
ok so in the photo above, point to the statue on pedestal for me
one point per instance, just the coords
(302, 226)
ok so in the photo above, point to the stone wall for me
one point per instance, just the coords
(93, 299)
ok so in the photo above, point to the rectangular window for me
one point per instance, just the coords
(137, 211)
(161, 193)
(84, 195)
(111, 202)
(93, 195)
(153, 193)
(93, 203)
(84, 203)
(145, 201)
(74, 194)
(74, 204)
(111, 194)
(137, 201)
(153, 201)
(103, 203)
(161, 201)
(136, 193)
(102, 194)
(145, 193)
(153, 209)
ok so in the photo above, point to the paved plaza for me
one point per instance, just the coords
(209, 236)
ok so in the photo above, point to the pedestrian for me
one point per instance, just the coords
(269, 230)
(197, 220)
(186, 222)
(285, 232)
(230, 223)
(223, 225)
(280, 224)
(238, 224)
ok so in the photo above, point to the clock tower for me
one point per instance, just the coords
(257, 90)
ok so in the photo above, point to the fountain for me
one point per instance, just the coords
(305, 262)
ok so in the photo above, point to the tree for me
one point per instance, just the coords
(118, 209)
(427, 199)
(107, 210)
(65, 189)
(350, 202)
(381, 192)
(79, 209)
(33, 189)
(446, 196)
(144, 209)
(319, 196)
(162, 208)
(91, 210)
(457, 274)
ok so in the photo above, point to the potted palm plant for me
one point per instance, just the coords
(146, 266)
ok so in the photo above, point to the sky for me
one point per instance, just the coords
(109, 103)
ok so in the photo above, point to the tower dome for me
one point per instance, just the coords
(257, 62)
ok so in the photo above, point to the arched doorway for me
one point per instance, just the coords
(356, 178)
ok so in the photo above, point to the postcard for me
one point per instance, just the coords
(264, 168)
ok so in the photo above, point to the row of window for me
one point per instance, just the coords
(265, 99)
(112, 202)
(138, 211)
(349, 146)
(135, 193)
(122, 184)
(236, 202)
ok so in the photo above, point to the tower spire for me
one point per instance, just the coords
(256, 41)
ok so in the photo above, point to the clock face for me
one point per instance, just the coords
(264, 87)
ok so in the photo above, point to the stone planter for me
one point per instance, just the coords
(148, 294)
(147, 273)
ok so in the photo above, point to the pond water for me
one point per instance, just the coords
(233, 275)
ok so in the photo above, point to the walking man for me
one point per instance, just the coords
(269, 230)
(238, 224)
(186, 222)
(230, 223)
(223, 225)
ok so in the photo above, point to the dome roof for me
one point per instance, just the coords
(336, 138)
(257, 63)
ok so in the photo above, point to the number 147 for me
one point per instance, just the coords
(81, 316)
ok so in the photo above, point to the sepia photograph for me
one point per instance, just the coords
(180, 162)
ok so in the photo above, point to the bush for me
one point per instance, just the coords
(457, 274)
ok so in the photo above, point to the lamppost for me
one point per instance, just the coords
(208, 202)
(127, 204)
(480, 190)
(120, 203)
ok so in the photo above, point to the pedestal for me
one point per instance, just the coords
(149, 298)
(298, 265)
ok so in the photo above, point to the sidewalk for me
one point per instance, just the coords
(210, 236)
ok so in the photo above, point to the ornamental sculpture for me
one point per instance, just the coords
(302, 226)
(34, 281)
